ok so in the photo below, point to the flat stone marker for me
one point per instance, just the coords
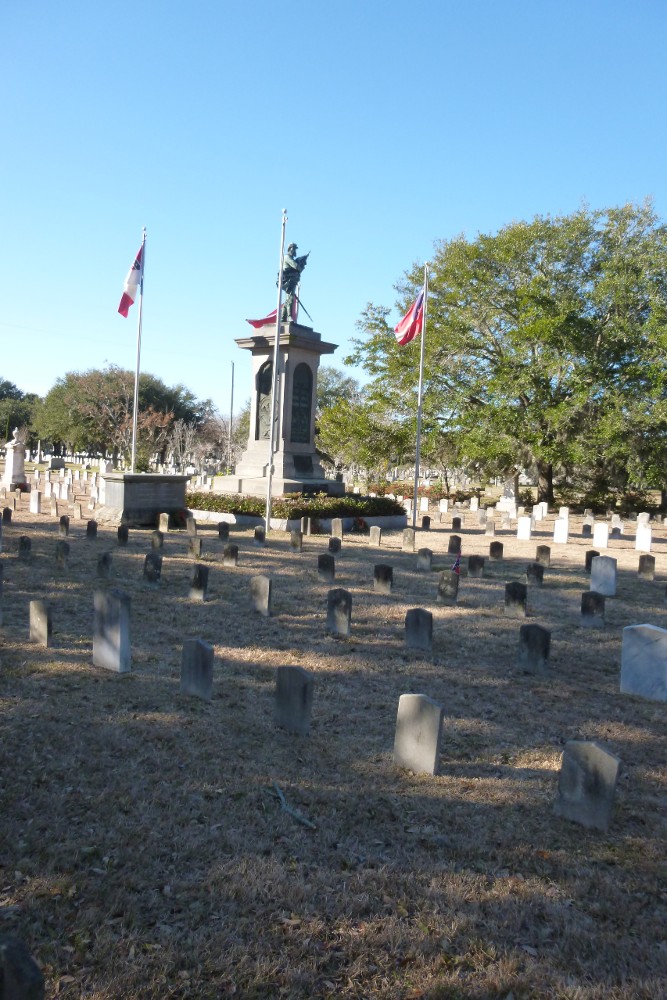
(603, 576)
(375, 535)
(306, 525)
(20, 976)
(646, 569)
(337, 527)
(523, 528)
(456, 524)
(590, 556)
(296, 541)
(561, 531)
(293, 700)
(476, 566)
(426, 523)
(448, 588)
(535, 574)
(326, 568)
(443, 505)
(230, 555)
(35, 502)
(123, 535)
(515, 599)
(91, 529)
(197, 668)
(601, 535)
(104, 565)
(223, 530)
(587, 784)
(424, 560)
(643, 538)
(339, 611)
(163, 522)
(6, 515)
(24, 548)
(260, 594)
(62, 554)
(587, 531)
(496, 550)
(111, 631)
(423, 503)
(644, 662)
(592, 610)
(419, 629)
(41, 623)
(383, 578)
(534, 646)
(418, 733)
(194, 547)
(190, 526)
(454, 545)
(157, 540)
(152, 568)
(334, 545)
(408, 540)
(260, 537)
(490, 529)
(543, 555)
(199, 583)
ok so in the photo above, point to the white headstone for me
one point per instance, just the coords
(523, 529)
(643, 518)
(644, 662)
(561, 526)
(474, 503)
(423, 503)
(444, 505)
(603, 576)
(601, 535)
(643, 538)
(418, 733)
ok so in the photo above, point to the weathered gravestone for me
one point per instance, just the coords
(337, 528)
(535, 574)
(590, 556)
(339, 611)
(334, 544)
(592, 610)
(194, 546)
(326, 568)
(197, 669)
(601, 535)
(375, 535)
(426, 523)
(646, 569)
(163, 522)
(20, 976)
(24, 548)
(223, 530)
(104, 565)
(306, 525)
(260, 537)
(260, 594)
(152, 568)
(419, 629)
(199, 583)
(6, 515)
(490, 528)
(586, 531)
(230, 555)
(408, 540)
(123, 535)
(64, 525)
(561, 531)
(587, 784)
(157, 540)
(296, 541)
(543, 556)
(383, 578)
(62, 554)
(643, 538)
(111, 631)
(515, 599)
(644, 662)
(190, 526)
(293, 699)
(456, 524)
(523, 528)
(41, 624)
(91, 529)
(424, 560)
(35, 502)
(418, 733)
(448, 588)
(603, 575)
(454, 545)
(534, 646)
(476, 566)
(496, 550)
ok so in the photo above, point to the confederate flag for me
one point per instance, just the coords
(411, 324)
(257, 323)
(132, 283)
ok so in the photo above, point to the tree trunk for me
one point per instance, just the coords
(545, 482)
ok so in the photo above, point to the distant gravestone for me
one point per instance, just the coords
(644, 662)
(91, 530)
(456, 524)
(424, 560)
(426, 523)
(197, 669)
(20, 976)
(601, 535)
(383, 578)
(194, 546)
(476, 566)
(334, 545)
(496, 550)
(260, 594)
(24, 548)
(6, 515)
(77, 512)
(535, 574)
(104, 565)
(408, 540)
(123, 535)
(35, 506)
(230, 555)
(418, 733)
(419, 629)
(561, 531)
(62, 554)
(643, 538)
(223, 530)
(157, 540)
(326, 568)
(260, 537)
(448, 588)
(587, 784)
(163, 522)
(306, 525)
(111, 631)
(199, 583)
(534, 648)
(293, 699)
(190, 526)
(443, 505)
(590, 556)
(603, 576)
(152, 568)
(646, 570)
(375, 535)
(490, 529)
(523, 528)
(64, 525)
(592, 610)
(586, 531)
(543, 556)
(515, 599)
(41, 624)
(296, 541)
(423, 503)
(339, 611)
(337, 527)
(454, 545)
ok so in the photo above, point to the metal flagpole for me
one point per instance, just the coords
(274, 385)
(135, 405)
(231, 417)
(419, 399)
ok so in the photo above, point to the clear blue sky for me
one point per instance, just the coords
(381, 126)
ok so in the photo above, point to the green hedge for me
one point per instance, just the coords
(296, 506)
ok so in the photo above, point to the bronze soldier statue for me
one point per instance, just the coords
(292, 268)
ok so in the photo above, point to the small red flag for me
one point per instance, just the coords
(132, 283)
(411, 324)
(257, 323)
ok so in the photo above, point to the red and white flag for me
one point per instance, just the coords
(132, 283)
(411, 324)
(257, 323)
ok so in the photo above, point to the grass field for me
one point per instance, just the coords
(143, 849)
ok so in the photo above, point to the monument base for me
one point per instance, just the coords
(256, 486)
(138, 499)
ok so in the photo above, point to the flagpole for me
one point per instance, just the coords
(274, 385)
(135, 405)
(231, 417)
(419, 399)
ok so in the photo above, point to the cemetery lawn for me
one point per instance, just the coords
(143, 848)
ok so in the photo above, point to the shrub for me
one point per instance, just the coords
(296, 505)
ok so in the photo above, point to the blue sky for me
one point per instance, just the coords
(380, 126)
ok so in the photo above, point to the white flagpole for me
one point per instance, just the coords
(135, 405)
(274, 385)
(419, 399)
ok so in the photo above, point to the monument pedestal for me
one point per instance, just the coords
(14, 475)
(138, 499)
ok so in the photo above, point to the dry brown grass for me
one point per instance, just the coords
(144, 854)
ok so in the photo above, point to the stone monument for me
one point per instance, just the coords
(14, 474)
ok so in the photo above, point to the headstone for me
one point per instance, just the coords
(375, 535)
(123, 535)
(111, 631)
(334, 544)
(426, 523)
(337, 527)
(543, 556)
(157, 540)
(190, 526)
(6, 515)
(260, 594)
(152, 568)
(643, 518)
(644, 662)
(643, 538)
(296, 541)
(260, 537)
(603, 576)
(383, 578)
(591, 554)
(418, 733)
(586, 531)
(423, 504)
(454, 545)
(448, 587)
(199, 583)
(326, 568)
(41, 625)
(534, 648)
(306, 525)
(35, 502)
(456, 524)
(64, 525)
(419, 629)
(230, 555)
(496, 551)
(24, 547)
(515, 599)
(194, 546)
(490, 529)
(424, 560)
(443, 505)
(535, 574)
(77, 512)
(523, 529)
(592, 610)
(339, 611)
(223, 530)
(646, 569)
(561, 531)
(197, 668)
(408, 540)
(20, 976)
(294, 699)
(474, 504)
(163, 522)
(587, 784)
(601, 535)
(476, 566)
(62, 554)
(104, 565)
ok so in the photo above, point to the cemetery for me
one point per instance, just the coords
(267, 766)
